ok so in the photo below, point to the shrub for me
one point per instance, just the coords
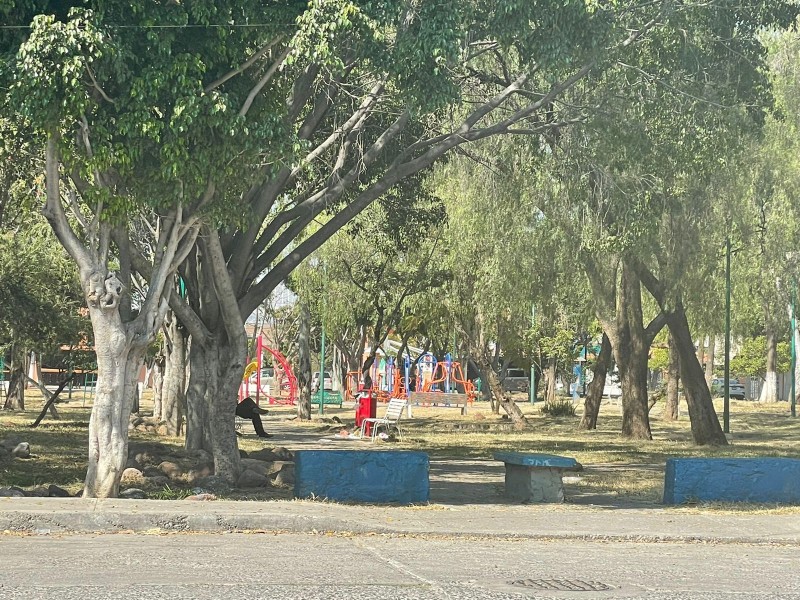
(560, 407)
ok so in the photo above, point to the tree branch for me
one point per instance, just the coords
(244, 66)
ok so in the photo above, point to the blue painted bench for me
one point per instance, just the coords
(391, 476)
(732, 480)
(535, 477)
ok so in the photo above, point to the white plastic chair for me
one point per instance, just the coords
(391, 419)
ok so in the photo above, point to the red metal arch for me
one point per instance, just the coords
(291, 388)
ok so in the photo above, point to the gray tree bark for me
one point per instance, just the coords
(173, 399)
(673, 375)
(769, 392)
(304, 364)
(594, 393)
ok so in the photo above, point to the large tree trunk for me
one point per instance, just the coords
(673, 376)
(173, 396)
(631, 352)
(118, 360)
(198, 431)
(18, 369)
(224, 375)
(551, 379)
(158, 384)
(769, 393)
(594, 393)
(304, 365)
(503, 398)
(704, 421)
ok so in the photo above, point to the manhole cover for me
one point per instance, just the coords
(562, 585)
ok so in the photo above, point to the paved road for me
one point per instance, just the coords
(352, 567)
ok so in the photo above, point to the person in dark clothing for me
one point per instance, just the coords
(248, 409)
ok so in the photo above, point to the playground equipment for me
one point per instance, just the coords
(438, 382)
(450, 374)
(285, 389)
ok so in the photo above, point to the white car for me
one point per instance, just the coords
(328, 381)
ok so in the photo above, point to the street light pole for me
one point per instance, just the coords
(726, 410)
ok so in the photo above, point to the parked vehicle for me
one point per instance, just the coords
(328, 381)
(736, 388)
(517, 380)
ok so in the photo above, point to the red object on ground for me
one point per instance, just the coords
(366, 408)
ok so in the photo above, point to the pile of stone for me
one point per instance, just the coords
(51, 491)
(153, 466)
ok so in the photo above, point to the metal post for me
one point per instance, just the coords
(726, 409)
(794, 350)
(322, 372)
(532, 392)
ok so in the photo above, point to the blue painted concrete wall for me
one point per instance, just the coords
(732, 480)
(362, 475)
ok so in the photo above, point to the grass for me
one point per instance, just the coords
(620, 468)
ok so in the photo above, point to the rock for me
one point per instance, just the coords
(136, 420)
(150, 428)
(195, 475)
(242, 454)
(257, 466)
(284, 469)
(132, 464)
(22, 450)
(146, 458)
(10, 443)
(214, 483)
(161, 430)
(56, 492)
(284, 479)
(265, 454)
(11, 493)
(170, 469)
(38, 492)
(151, 471)
(251, 479)
(133, 494)
(282, 453)
(202, 497)
(131, 475)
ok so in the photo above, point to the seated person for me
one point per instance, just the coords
(248, 409)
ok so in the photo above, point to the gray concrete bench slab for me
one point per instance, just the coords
(770, 479)
(535, 477)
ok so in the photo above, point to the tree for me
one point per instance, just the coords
(251, 133)
(40, 295)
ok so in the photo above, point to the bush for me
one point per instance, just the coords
(560, 407)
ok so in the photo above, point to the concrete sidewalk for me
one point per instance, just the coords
(64, 515)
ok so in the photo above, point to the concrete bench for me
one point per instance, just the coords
(392, 476)
(732, 480)
(535, 477)
(439, 400)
